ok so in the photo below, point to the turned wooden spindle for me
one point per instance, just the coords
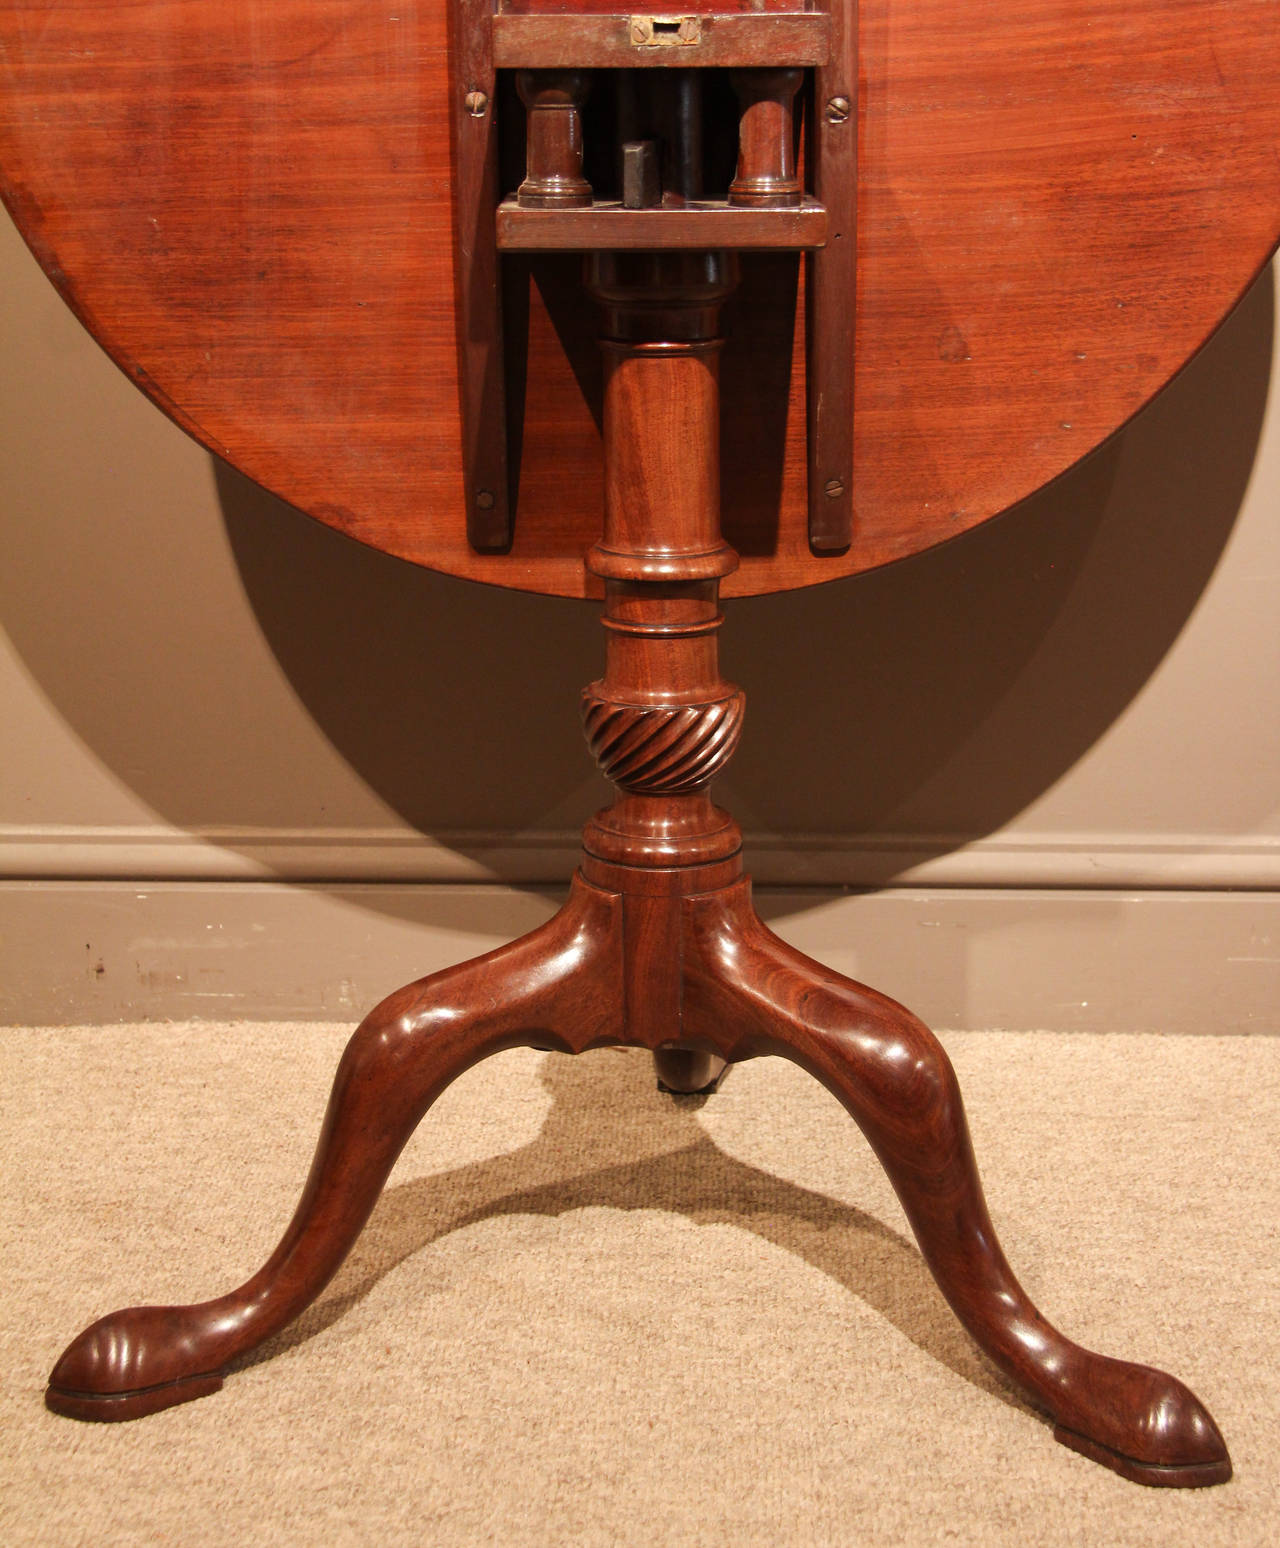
(553, 154)
(766, 138)
(679, 105)
(662, 722)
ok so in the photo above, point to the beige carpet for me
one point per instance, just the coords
(588, 1314)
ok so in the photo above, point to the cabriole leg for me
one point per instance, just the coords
(896, 1081)
(548, 989)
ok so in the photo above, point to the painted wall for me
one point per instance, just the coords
(198, 683)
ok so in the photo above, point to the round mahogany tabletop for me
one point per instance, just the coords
(250, 206)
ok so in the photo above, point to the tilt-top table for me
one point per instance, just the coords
(528, 291)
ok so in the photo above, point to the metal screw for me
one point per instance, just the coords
(834, 487)
(838, 110)
(476, 103)
(485, 499)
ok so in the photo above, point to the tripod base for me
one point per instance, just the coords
(658, 946)
(700, 980)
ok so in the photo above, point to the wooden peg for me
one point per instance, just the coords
(766, 138)
(641, 188)
(553, 158)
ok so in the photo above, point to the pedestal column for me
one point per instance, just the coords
(662, 722)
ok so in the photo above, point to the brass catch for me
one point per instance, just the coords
(664, 31)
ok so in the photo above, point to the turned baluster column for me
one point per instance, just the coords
(766, 138)
(553, 150)
(662, 721)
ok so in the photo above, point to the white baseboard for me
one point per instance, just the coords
(1093, 960)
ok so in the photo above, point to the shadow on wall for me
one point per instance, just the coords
(940, 695)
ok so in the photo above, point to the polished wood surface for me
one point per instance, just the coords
(521, 39)
(658, 946)
(610, 225)
(739, 992)
(251, 205)
(830, 322)
(481, 365)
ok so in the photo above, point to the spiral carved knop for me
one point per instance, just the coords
(657, 749)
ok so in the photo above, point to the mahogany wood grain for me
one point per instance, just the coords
(537, 991)
(553, 177)
(706, 8)
(896, 1081)
(482, 387)
(767, 173)
(252, 207)
(607, 43)
(710, 975)
(608, 224)
(658, 946)
(832, 277)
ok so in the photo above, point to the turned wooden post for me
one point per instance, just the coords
(662, 721)
(553, 154)
(766, 138)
